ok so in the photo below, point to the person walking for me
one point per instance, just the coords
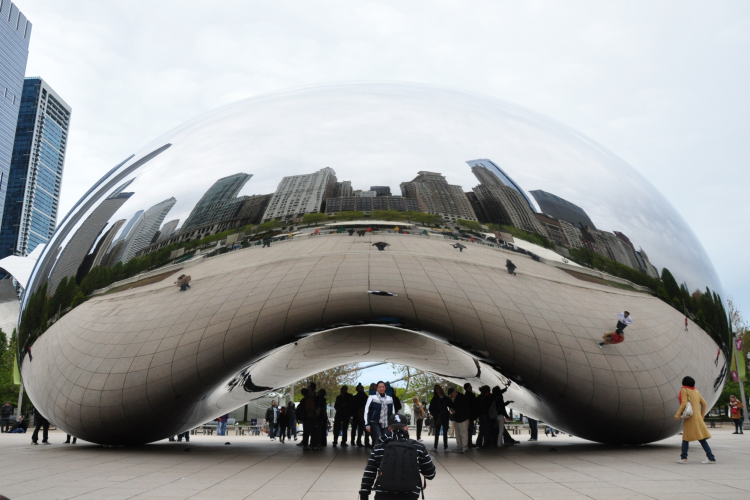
(440, 411)
(623, 320)
(5, 412)
(343, 405)
(379, 406)
(473, 411)
(308, 411)
(221, 425)
(533, 429)
(41, 423)
(430, 423)
(417, 415)
(272, 419)
(266, 242)
(67, 440)
(692, 409)
(291, 415)
(485, 424)
(735, 413)
(358, 417)
(283, 424)
(395, 465)
(460, 413)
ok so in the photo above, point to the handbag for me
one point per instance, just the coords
(688, 411)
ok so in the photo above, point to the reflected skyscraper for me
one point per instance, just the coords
(167, 229)
(144, 229)
(343, 189)
(502, 203)
(436, 196)
(36, 169)
(216, 201)
(83, 239)
(492, 167)
(562, 209)
(298, 195)
(15, 32)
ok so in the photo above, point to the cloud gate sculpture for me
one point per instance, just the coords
(369, 222)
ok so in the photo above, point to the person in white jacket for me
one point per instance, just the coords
(379, 406)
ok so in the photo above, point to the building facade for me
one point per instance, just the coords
(435, 196)
(36, 169)
(15, 33)
(253, 208)
(381, 190)
(144, 229)
(369, 204)
(562, 209)
(343, 189)
(503, 204)
(492, 168)
(219, 200)
(83, 240)
(298, 195)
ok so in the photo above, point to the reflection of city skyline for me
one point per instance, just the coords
(497, 199)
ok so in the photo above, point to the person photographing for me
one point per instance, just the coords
(396, 465)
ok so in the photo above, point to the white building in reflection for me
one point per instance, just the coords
(144, 229)
(298, 195)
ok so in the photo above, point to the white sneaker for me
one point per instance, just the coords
(708, 462)
(682, 461)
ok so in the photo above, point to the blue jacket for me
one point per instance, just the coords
(373, 408)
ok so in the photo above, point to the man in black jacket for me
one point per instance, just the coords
(358, 422)
(272, 419)
(485, 424)
(42, 423)
(5, 412)
(460, 414)
(473, 410)
(306, 411)
(20, 426)
(397, 431)
(343, 406)
(320, 402)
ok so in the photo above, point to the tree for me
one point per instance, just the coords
(268, 226)
(314, 218)
(419, 383)
(331, 380)
(473, 225)
(393, 215)
(349, 215)
(423, 218)
(670, 284)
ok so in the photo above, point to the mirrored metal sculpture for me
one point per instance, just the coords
(297, 231)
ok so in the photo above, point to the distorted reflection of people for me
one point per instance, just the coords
(459, 246)
(381, 245)
(616, 337)
(510, 266)
(183, 282)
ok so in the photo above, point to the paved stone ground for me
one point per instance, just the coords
(255, 468)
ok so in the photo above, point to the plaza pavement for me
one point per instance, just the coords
(256, 468)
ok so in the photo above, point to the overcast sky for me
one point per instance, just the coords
(665, 85)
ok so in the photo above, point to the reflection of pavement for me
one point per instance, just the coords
(254, 468)
(154, 353)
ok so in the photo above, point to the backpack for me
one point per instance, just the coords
(493, 413)
(399, 469)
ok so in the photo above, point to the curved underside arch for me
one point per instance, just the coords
(176, 359)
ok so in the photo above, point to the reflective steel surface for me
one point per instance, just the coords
(112, 351)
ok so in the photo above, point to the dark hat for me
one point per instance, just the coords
(397, 420)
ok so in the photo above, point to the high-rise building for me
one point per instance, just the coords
(369, 203)
(254, 207)
(36, 169)
(167, 229)
(436, 196)
(498, 172)
(364, 194)
(477, 207)
(83, 239)
(298, 195)
(343, 189)
(144, 229)
(15, 32)
(105, 243)
(562, 209)
(503, 204)
(381, 190)
(219, 200)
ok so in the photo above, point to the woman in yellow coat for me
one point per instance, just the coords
(693, 428)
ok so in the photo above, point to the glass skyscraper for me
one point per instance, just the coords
(36, 169)
(505, 178)
(15, 32)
